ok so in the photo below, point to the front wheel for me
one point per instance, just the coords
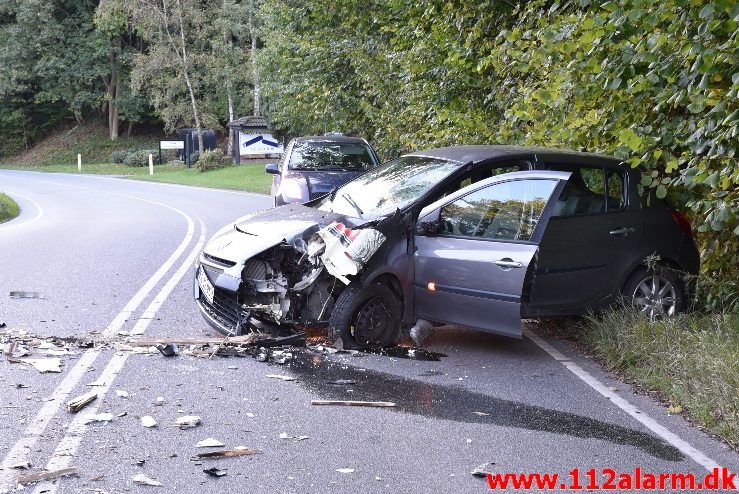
(366, 316)
(655, 292)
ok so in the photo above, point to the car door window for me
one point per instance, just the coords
(504, 211)
(590, 190)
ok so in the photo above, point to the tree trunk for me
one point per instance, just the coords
(186, 73)
(255, 72)
(113, 120)
(230, 118)
(130, 129)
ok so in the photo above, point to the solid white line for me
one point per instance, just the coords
(67, 447)
(13, 224)
(672, 438)
(33, 432)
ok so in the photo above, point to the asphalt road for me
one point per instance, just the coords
(109, 255)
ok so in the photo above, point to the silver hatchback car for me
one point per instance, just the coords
(476, 236)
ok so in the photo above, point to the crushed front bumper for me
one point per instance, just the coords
(223, 313)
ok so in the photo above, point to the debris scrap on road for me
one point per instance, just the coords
(80, 402)
(227, 453)
(22, 294)
(350, 403)
(46, 475)
(142, 479)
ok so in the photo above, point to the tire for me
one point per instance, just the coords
(365, 317)
(655, 292)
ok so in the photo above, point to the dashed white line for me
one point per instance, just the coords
(670, 437)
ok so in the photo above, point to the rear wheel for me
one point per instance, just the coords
(366, 316)
(655, 292)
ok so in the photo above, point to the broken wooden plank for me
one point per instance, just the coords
(233, 340)
(227, 453)
(351, 403)
(77, 404)
(47, 475)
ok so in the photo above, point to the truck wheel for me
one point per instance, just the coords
(366, 316)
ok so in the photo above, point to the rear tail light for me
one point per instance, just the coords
(683, 222)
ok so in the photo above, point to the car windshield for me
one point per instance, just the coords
(392, 186)
(318, 155)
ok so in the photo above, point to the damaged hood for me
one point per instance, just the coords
(260, 231)
(323, 181)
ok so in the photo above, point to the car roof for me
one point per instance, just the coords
(331, 138)
(479, 153)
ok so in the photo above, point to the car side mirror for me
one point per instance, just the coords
(429, 227)
(272, 168)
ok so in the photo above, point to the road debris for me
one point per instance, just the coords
(122, 394)
(148, 421)
(215, 472)
(482, 414)
(168, 350)
(22, 294)
(345, 470)
(431, 372)
(159, 401)
(44, 365)
(421, 331)
(100, 417)
(187, 421)
(342, 382)
(209, 443)
(23, 465)
(142, 479)
(283, 378)
(227, 453)
(76, 404)
(46, 475)
(483, 470)
(350, 403)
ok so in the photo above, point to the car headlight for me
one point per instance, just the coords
(291, 189)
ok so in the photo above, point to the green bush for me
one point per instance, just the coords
(212, 160)
(139, 158)
(194, 157)
(120, 156)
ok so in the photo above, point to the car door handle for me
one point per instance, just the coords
(507, 263)
(622, 230)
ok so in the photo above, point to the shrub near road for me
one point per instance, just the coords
(8, 208)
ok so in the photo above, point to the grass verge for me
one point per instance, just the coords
(9, 209)
(691, 360)
(247, 177)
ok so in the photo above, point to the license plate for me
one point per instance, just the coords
(206, 287)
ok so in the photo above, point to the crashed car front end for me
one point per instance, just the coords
(264, 273)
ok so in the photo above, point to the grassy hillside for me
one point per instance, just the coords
(91, 140)
(57, 153)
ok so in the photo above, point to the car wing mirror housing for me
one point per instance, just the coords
(272, 168)
(428, 227)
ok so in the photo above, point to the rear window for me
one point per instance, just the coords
(316, 155)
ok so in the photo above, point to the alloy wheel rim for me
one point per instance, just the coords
(655, 296)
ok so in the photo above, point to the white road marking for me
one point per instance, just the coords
(36, 428)
(696, 455)
(67, 448)
(13, 224)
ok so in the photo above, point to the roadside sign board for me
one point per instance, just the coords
(251, 144)
(172, 144)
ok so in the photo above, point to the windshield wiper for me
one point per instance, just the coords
(353, 203)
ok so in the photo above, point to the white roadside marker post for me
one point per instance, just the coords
(79, 163)
(151, 164)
